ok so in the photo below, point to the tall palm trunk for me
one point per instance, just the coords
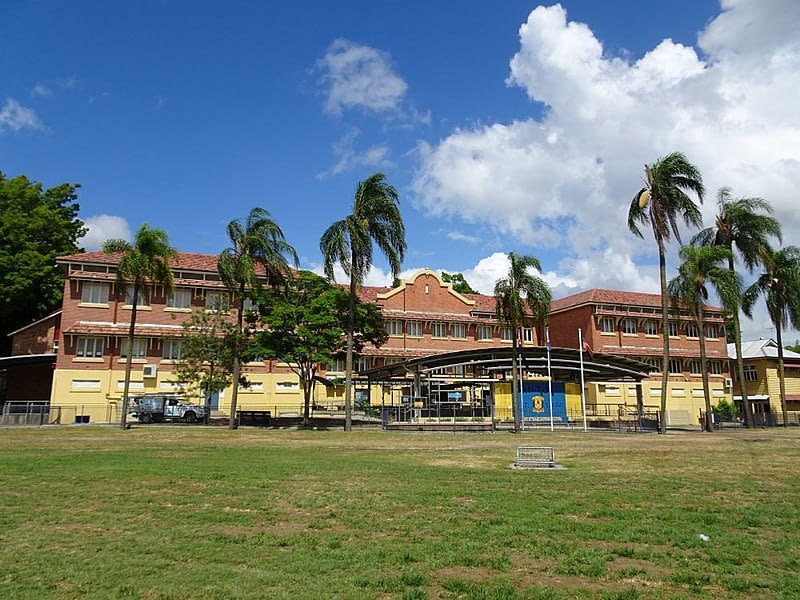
(708, 425)
(123, 421)
(237, 362)
(781, 373)
(348, 377)
(662, 271)
(737, 342)
(516, 397)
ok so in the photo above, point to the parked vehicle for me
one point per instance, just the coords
(158, 407)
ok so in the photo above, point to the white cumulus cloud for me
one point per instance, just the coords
(101, 228)
(357, 76)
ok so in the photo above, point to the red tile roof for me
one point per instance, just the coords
(185, 260)
(598, 296)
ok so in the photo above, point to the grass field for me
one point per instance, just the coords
(187, 512)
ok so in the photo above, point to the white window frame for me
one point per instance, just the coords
(483, 332)
(750, 373)
(458, 331)
(439, 329)
(218, 298)
(695, 366)
(394, 327)
(179, 298)
(139, 348)
(527, 335)
(712, 331)
(142, 301)
(172, 349)
(675, 367)
(650, 327)
(692, 330)
(89, 347)
(629, 326)
(673, 329)
(414, 328)
(506, 334)
(362, 363)
(94, 292)
(338, 366)
(715, 367)
(607, 325)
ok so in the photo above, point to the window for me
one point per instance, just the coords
(629, 326)
(363, 363)
(172, 350)
(143, 299)
(458, 331)
(439, 330)
(675, 366)
(691, 330)
(458, 370)
(712, 331)
(654, 362)
(673, 329)
(484, 332)
(527, 335)
(607, 325)
(89, 347)
(506, 334)
(179, 298)
(139, 348)
(750, 373)
(217, 301)
(650, 327)
(338, 366)
(715, 367)
(394, 327)
(695, 367)
(86, 384)
(94, 293)
(414, 328)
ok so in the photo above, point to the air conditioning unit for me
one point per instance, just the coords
(149, 370)
(728, 382)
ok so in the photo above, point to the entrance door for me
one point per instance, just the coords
(213, 401)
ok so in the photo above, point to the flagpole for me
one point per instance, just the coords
(549, 377)
(583, 386)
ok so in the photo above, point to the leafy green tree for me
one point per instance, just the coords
(794, 347)
(375, 219)
(725, 409)
(660, 204)
(258, 253)
(460, 284)
(144, 263)
(307, 327)
(748, 225)
(521, 298)
(36, 226)
(704, 267)
(208, 347)
(780, 287)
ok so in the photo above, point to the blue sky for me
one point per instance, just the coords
(505, 126)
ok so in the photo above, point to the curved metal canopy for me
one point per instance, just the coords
(564, 364)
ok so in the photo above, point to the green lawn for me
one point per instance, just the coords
(187, 512)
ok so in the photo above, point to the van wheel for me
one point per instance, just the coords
(145, 418)
(190, 417)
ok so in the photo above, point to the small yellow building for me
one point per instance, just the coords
(762, 384)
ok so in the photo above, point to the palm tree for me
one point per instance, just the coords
(145, 262)
(256, 242)
(375, 219)
(705, 266)
(512, 294)
(780, 286)
(748, 224)
(660, 204)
